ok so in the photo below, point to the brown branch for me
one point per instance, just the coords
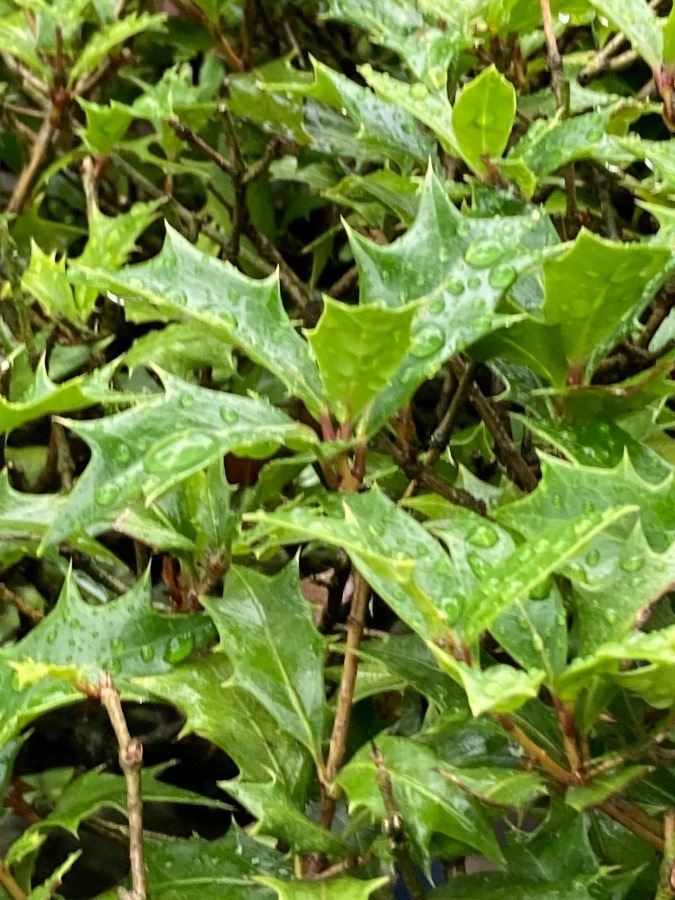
(663, 306)
(16, 600)
(534, 751)
(516, 467)
(569, 735)
(632, 817)
(426, 477)
(9, 883)
(131, 761)
(393, 826)
(344, 283)
(222, 42)
(30, 170)
(666, 890)
(191, 137)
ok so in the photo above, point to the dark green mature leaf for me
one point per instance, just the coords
(483, 116)
(24, 519)
(497, 885)
(146, 450)
(200, 869)
(233, 720)
(457, 268)
(266, 630)
(184, 283)
(277, 815)
(429, 803)
(343, 888)
(22, 704)
(126, 636)
(591, 287)
(567, 491)
(105, 40)
(358, 349)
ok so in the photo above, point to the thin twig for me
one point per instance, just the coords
(569, 735)
(344, 283)
(534, 751)
(626, 816)
(16, 600)
(516, 466)
(9, 883)
(666, 889)
(393, 826)
(30, 170)
(602, 59)
(442, 434)
(191, 137)
(131, 761)
(664, 304)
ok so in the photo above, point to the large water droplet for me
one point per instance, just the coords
(437, 305)
(456, 287)
(483, 253)
(632, 563)
(229, 416)
(179, 648)
(181, 453)
(122, 453)
(482, 535)
(419, 91)
(187, 401)
(474, 282)
(52, 636)
(477, 564)
(147, 653)
(107, 494)
(117, 645)
(428, 340)
(501, 276)
(593, 557)
(175, 296)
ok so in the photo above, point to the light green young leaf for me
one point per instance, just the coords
(266, 630)
(109, 37)
(669, 40)
(342, 888)
(45, 278)
(429, 803)
(18, 40)
(639, 23)
(148, 449)
(500, 689)
(483, 117)
(358, 350)
(183, 283)
(233, 720)
(591, 287)
(521, 573)
(604, 786)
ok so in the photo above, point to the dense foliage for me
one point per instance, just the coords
(338, 433)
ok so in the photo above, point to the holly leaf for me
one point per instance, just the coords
(189, 869)
(148, 449)
(639, 23)
(343, 888)
(457, 268)
(232, 719)
(107, 38)
(482, 117)
(266, 630)
(184, 283)
(604, 786)
(499, 689)
(591, 287)
(358, 350)
(429, 803)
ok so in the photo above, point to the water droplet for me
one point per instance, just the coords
(176, 296)
(593, 557)
(501, 277)
(117, 645)
(437, 305)
(482, 253)
(477, 564)
(179, 648)
(428, 340)
(492, 689)
(419, 91)
(632, 563)
(229, 416)
(147, 653)
(610, 616)
(122, 453)
(52, 635)
(542, 590)
(588, 508)
(187, 401)
(181, 453)
(456, 287)
(474, 282)
(557, 501)
(422, 550)
(107, 494)
(482, 535)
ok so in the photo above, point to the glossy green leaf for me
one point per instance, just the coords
(591, 287)
(638, 22)
(358, 350)
(277, 815)
(342, 888)
(482, 117)
(398, 558)
(496, 885)
(499, 689)
(232, 719)
(429, 803)
(200, 869)
(528, 566)
(105, 40)
(567, 491)
(402, 26)
(146, 450)
(669, 40)
(183, 283)
(603, 786)
(457, 268)
(17, 39)
(266, 630)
